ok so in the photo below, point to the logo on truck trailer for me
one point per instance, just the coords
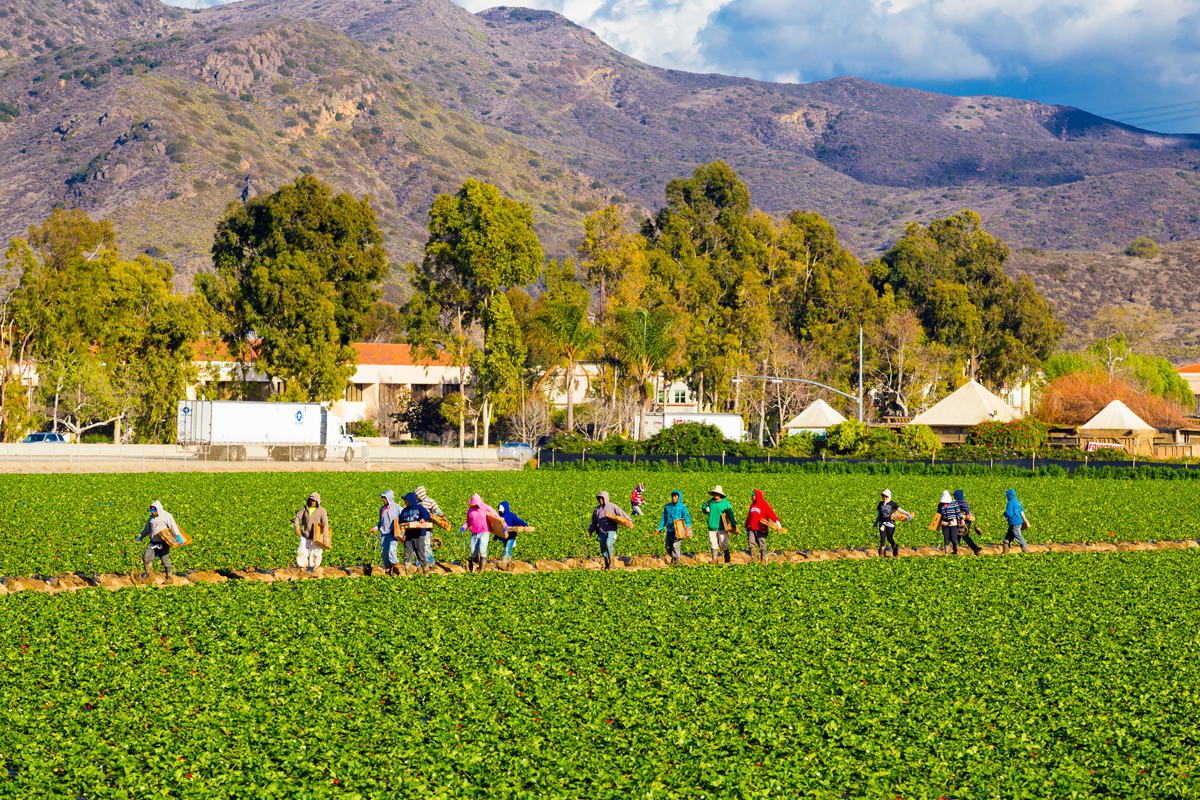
(300, 416)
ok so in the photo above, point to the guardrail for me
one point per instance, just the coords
(81, 458)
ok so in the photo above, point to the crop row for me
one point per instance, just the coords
(86, 523)
(1066, 676)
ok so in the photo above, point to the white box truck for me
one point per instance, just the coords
(221, 430)
(730, 425)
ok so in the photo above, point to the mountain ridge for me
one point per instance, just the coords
(158, 118)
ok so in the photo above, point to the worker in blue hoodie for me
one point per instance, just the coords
(414, 539)
(1014, 515)
(674, 510)
(512, 521)
(389, 512)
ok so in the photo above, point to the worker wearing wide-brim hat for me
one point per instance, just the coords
(721, 522)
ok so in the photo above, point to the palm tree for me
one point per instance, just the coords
(644, 344)
(561, 329)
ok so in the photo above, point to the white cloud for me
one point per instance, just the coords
(917, 40)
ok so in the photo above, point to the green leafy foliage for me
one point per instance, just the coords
(244, 520)
(1022, 434)
(1065, 676)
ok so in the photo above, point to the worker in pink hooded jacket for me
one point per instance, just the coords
(477, 526)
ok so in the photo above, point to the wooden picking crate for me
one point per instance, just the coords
(520, 529)
(171, 541)
(681, 530)
(620, 520)
(441, 522)
(496, 526)
(322, 537)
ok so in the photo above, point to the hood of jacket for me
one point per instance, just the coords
(158, 506)
(605, 507)
(503, 507)
(1014, 512)
(676, 492)
(476, 500)
(389, 497)
(946, 498)
(314, 496)
(420, 493)
(412, 499)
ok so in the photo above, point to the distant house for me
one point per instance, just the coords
(674, 397)
(1191, 374)
(967, 406)
(382, 369)
(817, 418)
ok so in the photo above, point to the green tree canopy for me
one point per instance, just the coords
(296, 278)
(112, 341)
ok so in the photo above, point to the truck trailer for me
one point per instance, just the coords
(221, 430)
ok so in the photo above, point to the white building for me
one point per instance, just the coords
(381, 368)
(674, 397)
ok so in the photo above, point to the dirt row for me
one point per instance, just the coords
(121, 580)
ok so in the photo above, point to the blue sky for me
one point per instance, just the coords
(1137, 61)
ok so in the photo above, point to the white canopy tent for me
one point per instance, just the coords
(969, 404)
(817, 418)
(1116, 416)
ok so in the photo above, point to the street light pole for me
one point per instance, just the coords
(777, 379)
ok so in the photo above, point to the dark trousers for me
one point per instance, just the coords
(965, 536)
(414, 546)
(950, 536)
(885, 532)
(157, 550)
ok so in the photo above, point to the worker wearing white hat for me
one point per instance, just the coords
(721, 522)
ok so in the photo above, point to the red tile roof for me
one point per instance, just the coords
(380, 355)
(394, 355)
(1193, 369)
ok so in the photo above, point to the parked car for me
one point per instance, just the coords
(55, 438)
(517, 451)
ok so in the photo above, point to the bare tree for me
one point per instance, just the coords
(531, 421)
(1119, 332)
(391, 401)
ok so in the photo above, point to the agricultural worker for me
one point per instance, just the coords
(1014, 515)
(511, 521)
(887, 525)
(672, 511)
(414, 540)
(160, 523)
(477, 526)
(758, 524)
(605, 528)
(637, 500)
(308, 555)
(434, 511)
(948, 509)
(720, 522)
(965, 519)
(389, 512)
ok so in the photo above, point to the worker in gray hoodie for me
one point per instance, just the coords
(389, 512)
(308, 554)
(605, 528)
(160, 525)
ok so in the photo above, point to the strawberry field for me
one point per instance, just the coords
(1056, 676)
(86, 523)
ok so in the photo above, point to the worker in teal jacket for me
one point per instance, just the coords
(674, 510)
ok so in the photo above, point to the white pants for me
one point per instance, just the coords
(308, 554)
(718, 540)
